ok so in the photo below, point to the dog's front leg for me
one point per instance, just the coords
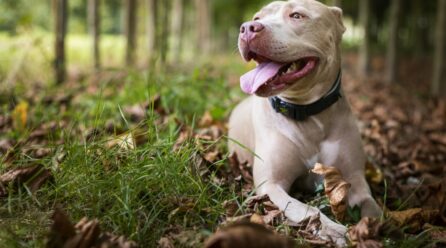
(274, 172)
(297, 211)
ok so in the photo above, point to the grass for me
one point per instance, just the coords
(137, 193)
(140, 193)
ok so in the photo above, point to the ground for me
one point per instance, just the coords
(144, 152)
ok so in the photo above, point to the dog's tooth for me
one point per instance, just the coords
(291, 68)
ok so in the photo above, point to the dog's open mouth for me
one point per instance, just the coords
(270, 76)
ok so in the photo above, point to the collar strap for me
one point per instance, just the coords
(302, 112)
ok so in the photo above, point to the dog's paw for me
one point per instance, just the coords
(333, 231)
(369, 208)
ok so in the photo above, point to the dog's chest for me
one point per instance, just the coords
(309, 139)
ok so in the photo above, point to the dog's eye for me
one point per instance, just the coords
(297, 15)
(256, 18)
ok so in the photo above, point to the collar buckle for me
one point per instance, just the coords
(302, 112)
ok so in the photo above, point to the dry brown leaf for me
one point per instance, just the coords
(256, 218)
(84, 234)
(413, 219)
(369, 232)
(370, 243)
(437, 234)
(211, 156)
(247, 235)
(124, 141)
(366, 229)
(240, 169)
(373, 173)
(185, 134)
(165, 242)
(32, 177)
(6, 145)
(231, 207)
(206, 119)
(336, 189)
(20, 116)
(309, 229)
(236, 219)
(273, 217)
(257, 199)
(136, 113)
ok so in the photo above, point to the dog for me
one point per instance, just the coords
(297, 114)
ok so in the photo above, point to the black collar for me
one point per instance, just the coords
(302, 112)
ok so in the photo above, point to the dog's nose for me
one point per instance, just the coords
(249, 30)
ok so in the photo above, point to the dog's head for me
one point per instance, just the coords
(294, 43)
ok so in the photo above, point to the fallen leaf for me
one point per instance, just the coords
(136, 113)
(61, 230)
(206, 119)
(211, 156)
(240, 169)
(184, 135)
(253, 200)
(373, 173)
(247, 235)
(165, 242)
(257, 219)
(370, 243)
(369, 232)
(336, 189)
(413, 219)
(231, 208)
(6, 145)
(273, 217)
(85, 233)
(310, 225)
(32, 177)
(437, 234)
(124, 141)
(366, 229)
(20, 115)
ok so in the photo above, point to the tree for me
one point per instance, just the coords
(151, 29)
(364, 51)
(130, 30)
(439, 48)
(203, 25)
(61, 19)
(392, 45)
(176, 28)
(164, 30)
(94, 28)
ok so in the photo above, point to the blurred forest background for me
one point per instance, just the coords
(116, 110)
(115, 34)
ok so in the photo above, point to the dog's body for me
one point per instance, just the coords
(285, 149)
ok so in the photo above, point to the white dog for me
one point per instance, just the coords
(298, 116)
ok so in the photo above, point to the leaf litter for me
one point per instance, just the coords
(86, 233)
(406, 149)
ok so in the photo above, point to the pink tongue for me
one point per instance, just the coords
(252, 80)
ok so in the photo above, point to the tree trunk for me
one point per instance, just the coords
(439, 49)
(94, 28)
(130, 30)
(337, 3)
(152, 43)
(392, 45)
(364, 51)
(204, 26)
(164, 32)
(61, 14)
(176, 28)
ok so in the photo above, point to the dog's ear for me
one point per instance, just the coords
(338, 14)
